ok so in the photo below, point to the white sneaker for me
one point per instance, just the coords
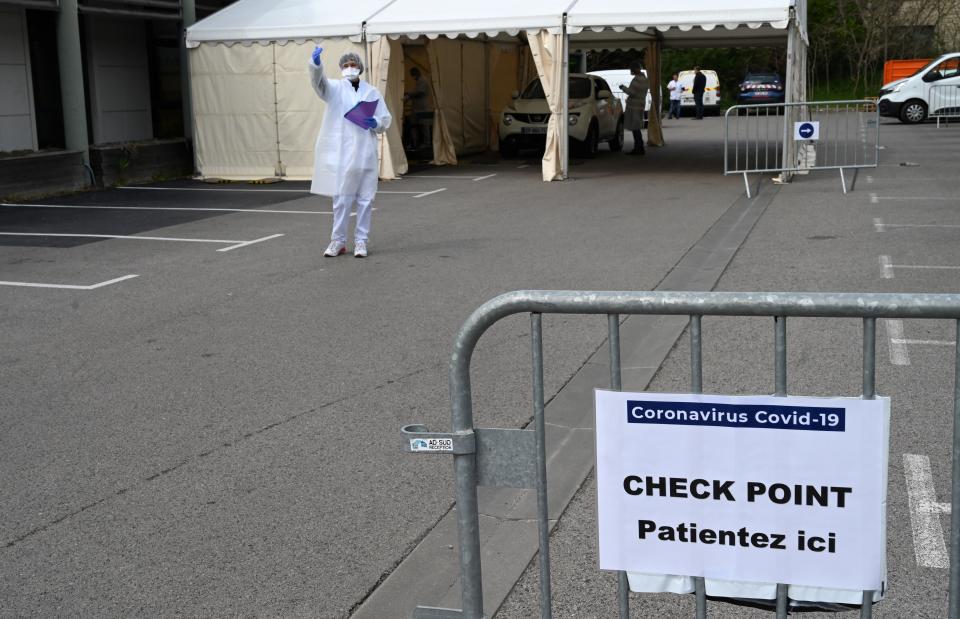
(360, 249)
(335, 248)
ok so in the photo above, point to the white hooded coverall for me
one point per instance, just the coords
(345, 163)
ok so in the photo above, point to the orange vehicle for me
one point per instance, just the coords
(899, 69)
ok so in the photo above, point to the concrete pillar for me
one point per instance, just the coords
(188, 16)
(71, 79)
(583, 61)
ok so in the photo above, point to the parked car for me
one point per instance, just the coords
(761, 88)
(711, 95)
(622, 77)
(594, 115)
(910, 99)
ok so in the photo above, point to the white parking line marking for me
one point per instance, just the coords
(520, 167)
(166, 208)
(235, 244)
(874, 198)
(430, 193)
(928, 542)
(459, 178)
(245, 243)
(68, 286)
(886, 267)
(301, 191)
(915, 225)
(898, 350)
(878, 224)
(925, 342)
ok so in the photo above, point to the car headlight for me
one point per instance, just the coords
(507, 119)
(573, 119)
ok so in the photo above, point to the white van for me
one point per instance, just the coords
(711, 95)
(912, 98)
(622, 77)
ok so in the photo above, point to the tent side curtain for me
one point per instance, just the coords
(299, 109)
(439, 52)
(235, 112)
(547, 50)
(386, 75)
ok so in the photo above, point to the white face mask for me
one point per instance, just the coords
(350, 72)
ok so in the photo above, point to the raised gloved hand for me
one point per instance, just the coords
(316, 55)
(370, 122)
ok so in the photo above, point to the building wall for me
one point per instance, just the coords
(119, 80)
(17, 125)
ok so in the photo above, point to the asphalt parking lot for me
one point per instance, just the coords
(201, 414)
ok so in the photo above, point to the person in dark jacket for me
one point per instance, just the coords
(699, 86)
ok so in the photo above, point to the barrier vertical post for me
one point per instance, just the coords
(955, 486)
(780, 324)
(543, 513)
(465, 474)
(696, 386)
(616, 383)
(869, 393)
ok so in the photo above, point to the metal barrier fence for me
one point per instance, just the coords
(799, 137)
(944, 102)
(516, 458)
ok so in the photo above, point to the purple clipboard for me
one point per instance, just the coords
(361, 112)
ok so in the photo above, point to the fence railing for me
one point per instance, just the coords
(796, 138)
(944, 102)
(516, 458)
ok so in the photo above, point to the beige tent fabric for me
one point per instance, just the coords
(503, 72)
(654, 127)
(299, 109)
(547, 50)
(473, 89)
(235, 117)
(385, 73)
(444, 150)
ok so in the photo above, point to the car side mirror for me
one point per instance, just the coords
(604, 94)
(515, 94)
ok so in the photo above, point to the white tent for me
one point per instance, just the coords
(478, 51)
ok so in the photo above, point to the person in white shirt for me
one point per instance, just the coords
(676, 89)
(345, 160)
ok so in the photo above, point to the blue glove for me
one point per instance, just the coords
(370, 122)
(316, 55)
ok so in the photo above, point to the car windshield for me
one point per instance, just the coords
(579, 89)
(762, 78)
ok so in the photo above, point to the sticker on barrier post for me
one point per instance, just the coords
(807, 130)
(743, 488)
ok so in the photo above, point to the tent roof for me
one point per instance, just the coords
(283, 20)
(614, 24)
(467, 17)
(594, 23)
(681, 14)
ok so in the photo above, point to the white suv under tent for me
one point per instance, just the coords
(255, 116)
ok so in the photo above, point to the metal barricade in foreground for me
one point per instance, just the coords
(762, 138)
(944, 102)
(516, 458)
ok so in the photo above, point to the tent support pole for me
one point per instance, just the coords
(564, 102)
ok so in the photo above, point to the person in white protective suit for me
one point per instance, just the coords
(345, 162)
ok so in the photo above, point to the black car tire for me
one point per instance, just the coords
(616, 144)
(913, 111)
(509, 148)
(589, 146)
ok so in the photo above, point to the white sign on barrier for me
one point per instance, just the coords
(745, 488)
(807, 130)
